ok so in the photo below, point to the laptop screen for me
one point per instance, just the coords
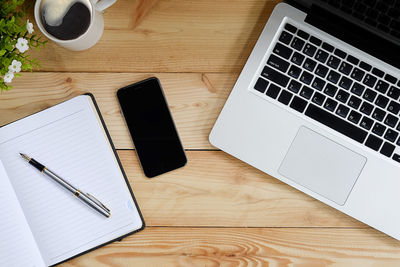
(379, 16)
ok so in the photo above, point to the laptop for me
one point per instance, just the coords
(317, 106)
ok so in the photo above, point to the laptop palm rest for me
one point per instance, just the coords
(322, 165)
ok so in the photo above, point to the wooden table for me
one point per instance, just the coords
(216, 210)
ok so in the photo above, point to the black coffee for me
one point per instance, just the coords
(67, 21)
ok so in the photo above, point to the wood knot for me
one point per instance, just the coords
(69, 80)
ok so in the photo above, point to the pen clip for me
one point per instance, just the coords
(97, 201)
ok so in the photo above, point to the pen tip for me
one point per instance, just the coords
(25, 156)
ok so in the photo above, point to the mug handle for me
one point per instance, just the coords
(102, 5)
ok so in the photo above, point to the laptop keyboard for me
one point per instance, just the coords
(334, 88)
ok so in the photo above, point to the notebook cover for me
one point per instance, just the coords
(123, 173)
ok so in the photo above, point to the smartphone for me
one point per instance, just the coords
(152, 129)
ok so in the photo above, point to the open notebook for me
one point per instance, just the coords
(42, 223)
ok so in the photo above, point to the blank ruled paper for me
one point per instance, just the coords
(70, 141)
(17, 246)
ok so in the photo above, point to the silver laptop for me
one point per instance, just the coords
(317, 106)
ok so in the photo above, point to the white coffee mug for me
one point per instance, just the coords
(93, 32)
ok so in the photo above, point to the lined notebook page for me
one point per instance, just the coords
(17, 246)
(70, 141)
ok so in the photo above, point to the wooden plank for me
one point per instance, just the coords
(168, 36)
(195, 99)
(215, 189)
(247, 247)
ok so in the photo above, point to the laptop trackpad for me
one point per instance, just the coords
(322, 165)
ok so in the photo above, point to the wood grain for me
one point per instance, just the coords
(215, 189)
(172, 36)
(216, 211)
(247, 247)
(195, 99)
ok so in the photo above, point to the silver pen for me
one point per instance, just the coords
(86, 198)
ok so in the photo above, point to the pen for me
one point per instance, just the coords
(86, 198)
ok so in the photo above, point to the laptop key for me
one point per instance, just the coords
(318, 98)
(369, 80)
(285, 37)
(357, 89)
(336, 123)
(340, 53)
(309, 50)
(352, 59)
(333, 62)
(396, 157)
(278, 63)
(321, 70)
(306, 77)
(378, 129)
(354, 102)
(285, 97)
(354, 117)
(282, 50)
(345, 82)
(378, 72)
(365, 66)
(290, 28)
(321, 56)
(297, 43)
(342, 111)
(306, 92)
(303, 34)
(345, 68)
(261, 85)
(330, 104)
(387, 149)
(369, 95)
(298, 104)
(275, 76)
(390, 78)
(318, 84)
(393, 92)
(330, 89)
(366, 108)
(357, 74)
(294, 71)
(342, 96)
(273, 91)
(315, 41)
(373, 142)
(294, 86)
(382, 86)
(393, 107)
(391, 120)
(366, 123)
(309, 64)
(297, 58)
(327, 47)
(391, 135)
(381, 101)
(378, 114)
(333, 77)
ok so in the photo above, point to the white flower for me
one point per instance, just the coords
(8, 77)
(22, 45)
(29, 26)
(15, 66)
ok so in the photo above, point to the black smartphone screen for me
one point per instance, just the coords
(151, 126)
